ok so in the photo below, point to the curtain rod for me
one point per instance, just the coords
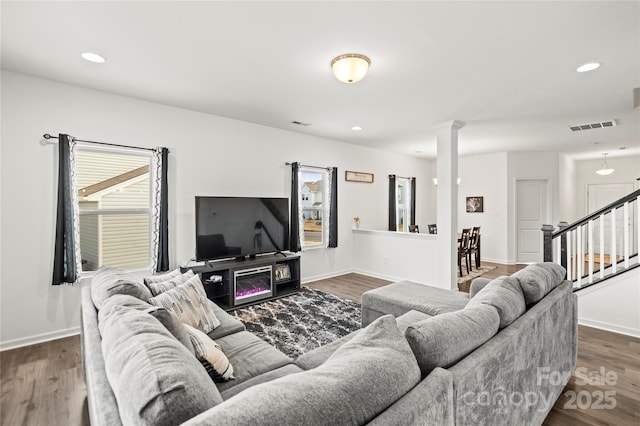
(47, 136)
(311, 167)
(403, 177)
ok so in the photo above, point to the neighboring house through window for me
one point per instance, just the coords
(313, 196)
(114, 197)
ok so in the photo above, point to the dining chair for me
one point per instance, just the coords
(463, 249)
(474, 247)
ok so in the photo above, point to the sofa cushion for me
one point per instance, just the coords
(250, 357)
(154, 377)
(166, 318)
(262, 378)
(445, 339)
(228, 324)
(360, 380)
(538, 279)
(109, 281)
(477, 284)
(504, 294)
(189, 302)
(210, 354)
(159, 287)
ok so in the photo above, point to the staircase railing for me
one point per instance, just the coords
(599, 246)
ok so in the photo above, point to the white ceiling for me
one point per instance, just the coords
(507, 69)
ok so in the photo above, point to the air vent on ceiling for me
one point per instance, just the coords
(608, 123)
(300, 123)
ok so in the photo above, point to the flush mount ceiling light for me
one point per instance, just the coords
(356, 128)
(93, 57)
(605, 171)
(350, 68)
(588, 67)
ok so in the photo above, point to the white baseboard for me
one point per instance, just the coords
(39, 338)
(379, 276)
(325, 276)
(609, 327)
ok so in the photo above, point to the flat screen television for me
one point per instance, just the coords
(237, 227)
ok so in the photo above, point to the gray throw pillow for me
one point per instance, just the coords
(360, 380)
(166, 318)
(189, 303)
(162, 277)
(109, 281)
(538, 279)
(477, 285)
(154, 378)
(443, 340)
(159, 287)
(504, 294)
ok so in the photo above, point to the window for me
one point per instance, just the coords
(114, 197)
(314, 207)
(403, 203)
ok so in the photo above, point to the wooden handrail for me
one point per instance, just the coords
(632, 196)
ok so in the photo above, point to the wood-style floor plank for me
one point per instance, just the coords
(43, 384)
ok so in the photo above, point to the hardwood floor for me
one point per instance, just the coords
(43, 384)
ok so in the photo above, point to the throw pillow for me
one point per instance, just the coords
(109, 281)
(166, 318)
(162, 277)
(477, 285)
(159, 287)
(445, 339)
(504, 294)
(155, 380)
(189, 303)
(538, 279)
(210, 354)
(359, 381)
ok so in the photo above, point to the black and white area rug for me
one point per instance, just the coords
(301, 322)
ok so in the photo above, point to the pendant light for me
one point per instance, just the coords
(605, 170)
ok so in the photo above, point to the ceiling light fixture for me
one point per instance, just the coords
(590, 66)
(605, 171)
(356, 128)
(93, 57)
(350, 68)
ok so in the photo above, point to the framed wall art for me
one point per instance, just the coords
(475, 204)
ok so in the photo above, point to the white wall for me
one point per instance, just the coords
(397, 256)
(627, 170)
(486, 176)
(614, 305)
(210, 155)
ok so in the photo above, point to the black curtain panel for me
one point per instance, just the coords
(333, 209)
(413, 201)
(65, 254)
(162, 263)
(392, 203)
(294, 238)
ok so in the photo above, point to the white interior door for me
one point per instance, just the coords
(531, 214)
(600, 195)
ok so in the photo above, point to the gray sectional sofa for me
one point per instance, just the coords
(460, 365)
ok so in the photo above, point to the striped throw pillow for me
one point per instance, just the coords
(210, 355)
(162, 286)
(189, 303)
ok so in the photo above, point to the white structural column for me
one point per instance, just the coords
(447, 220)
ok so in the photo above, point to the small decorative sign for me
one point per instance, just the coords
(358, 177)
(282, 272)
(475, 204)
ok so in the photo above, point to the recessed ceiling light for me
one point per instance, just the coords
(356, 128)
(588, 67)
(93, 57)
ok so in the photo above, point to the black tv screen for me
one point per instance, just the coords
(229, 227)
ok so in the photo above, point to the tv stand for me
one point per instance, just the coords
(220, 278)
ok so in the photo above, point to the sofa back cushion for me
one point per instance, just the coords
(155, 380)
(360, 380)
(443, 340)
(504, 294)
(166, 318)
(109, 281)
(538, 279)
